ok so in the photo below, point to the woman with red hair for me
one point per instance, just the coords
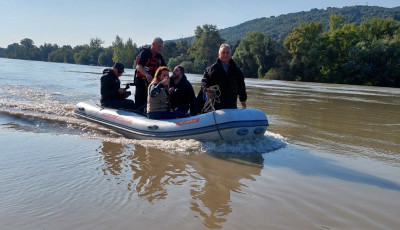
(158, 97)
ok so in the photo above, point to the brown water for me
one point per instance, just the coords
(330, 160)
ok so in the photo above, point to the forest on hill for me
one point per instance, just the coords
(350, 45)
(281, 26)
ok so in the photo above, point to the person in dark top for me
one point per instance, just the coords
(112, 95)
(158, 98)
(182, 97)
(147, 64)
(228, 77)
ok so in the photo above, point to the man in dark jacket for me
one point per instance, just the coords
(112, 95)
(228, 77)
(181, 92)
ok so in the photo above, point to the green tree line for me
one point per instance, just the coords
(368, 54)
(88, 54)
(279, 27)
(364, 54)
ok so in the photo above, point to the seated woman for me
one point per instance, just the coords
(158, 96)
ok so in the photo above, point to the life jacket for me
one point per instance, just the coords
(151, 65)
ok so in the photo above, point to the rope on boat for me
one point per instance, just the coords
(215, 93)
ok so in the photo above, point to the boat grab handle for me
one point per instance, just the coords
(152, 127)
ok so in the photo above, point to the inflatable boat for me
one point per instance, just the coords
(226, 124)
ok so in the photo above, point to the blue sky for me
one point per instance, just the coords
(75, 22)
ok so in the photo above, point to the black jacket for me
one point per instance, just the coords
(183, 94)
(110, 85)
(230, 83)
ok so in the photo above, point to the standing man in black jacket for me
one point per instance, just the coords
(112, 95)
(228, 77)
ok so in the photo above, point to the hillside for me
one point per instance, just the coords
(279, 27)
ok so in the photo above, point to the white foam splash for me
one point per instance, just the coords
(269, 142)
(31, 100)
(35, 103)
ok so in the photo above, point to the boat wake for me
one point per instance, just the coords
(30, 121)
(267, 143)
(38, 112)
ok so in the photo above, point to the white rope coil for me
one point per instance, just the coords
(214, 94)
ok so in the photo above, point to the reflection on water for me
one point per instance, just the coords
(113, 156)
(216, 180)
(153, 171)
(211, 178)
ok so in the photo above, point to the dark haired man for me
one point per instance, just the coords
(112, 95)
(181, 92)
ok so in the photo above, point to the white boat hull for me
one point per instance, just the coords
(227, 124)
